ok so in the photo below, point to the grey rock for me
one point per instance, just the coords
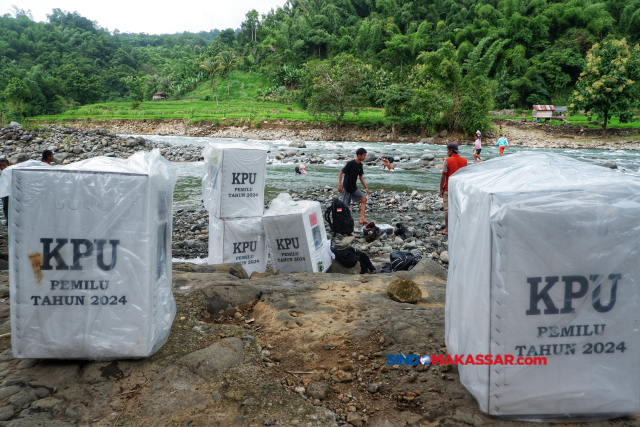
(338, 268)
(61, 157)
(225, 299)
(298, 144)
(77, 150)
(215, 359)
(19, 158)
(427, 157)
(429, 267)
(373, 388)
(444, 256)
(370, 157)
(4, 265)
(189, 243)
(611, 165)
(318, 390)
(6, 413)
(238, 271)
(131, 142)
(443, 134)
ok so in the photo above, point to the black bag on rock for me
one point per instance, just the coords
(402, 231)
(338, 216)
(403, 260)
(347, 257)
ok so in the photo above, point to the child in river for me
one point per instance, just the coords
(477, 148)
(386, 164)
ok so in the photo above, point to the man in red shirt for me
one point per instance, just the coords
(451, 165)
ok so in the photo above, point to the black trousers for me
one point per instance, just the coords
(365, 263)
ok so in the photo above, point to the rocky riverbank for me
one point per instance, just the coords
(73, 144)
(525, 134)
(420, 214)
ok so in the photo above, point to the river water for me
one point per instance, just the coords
(281, 174)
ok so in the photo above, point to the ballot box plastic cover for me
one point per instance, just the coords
(90, 257)
(296, 235)
(238, 241)
(234, 177)
(545, 261)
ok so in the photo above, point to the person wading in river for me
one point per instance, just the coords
(451, 165)
(349, 188)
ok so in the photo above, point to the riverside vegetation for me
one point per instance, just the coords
(442, 65)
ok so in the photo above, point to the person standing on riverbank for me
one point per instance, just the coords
(451, 165)
(349, 188)
(502, 142)
(4, 163)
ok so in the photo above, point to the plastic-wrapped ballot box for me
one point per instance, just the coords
(90, 257)
(296, 235)
(238, 241)
(234, 176)
(545, 263)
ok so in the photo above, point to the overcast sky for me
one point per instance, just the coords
(157, 17)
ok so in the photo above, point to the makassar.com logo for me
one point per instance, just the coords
(462, 359)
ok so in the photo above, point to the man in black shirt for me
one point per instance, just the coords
(348, 187)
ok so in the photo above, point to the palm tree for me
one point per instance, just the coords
(211, 66)
(154, 81)
(227, 61)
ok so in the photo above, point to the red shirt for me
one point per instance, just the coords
(451, 165)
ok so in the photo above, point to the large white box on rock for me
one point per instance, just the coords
(90, 257)
(238, 241)
(234, 177)
(545, 262)
(296, 235)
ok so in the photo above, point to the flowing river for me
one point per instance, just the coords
(281, 174)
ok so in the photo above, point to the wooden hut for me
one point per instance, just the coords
(542, 112)
(159, 96)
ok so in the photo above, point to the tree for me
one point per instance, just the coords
(227, 61)
(211, 67)
(608, 86)
(17, 93)
(335, 87)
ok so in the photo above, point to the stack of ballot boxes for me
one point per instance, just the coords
(90, 257)
(233, 191)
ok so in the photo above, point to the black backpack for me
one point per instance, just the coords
(403, 260)
(338, 216)
(347, 257)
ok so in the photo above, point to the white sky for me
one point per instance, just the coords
(152, 17)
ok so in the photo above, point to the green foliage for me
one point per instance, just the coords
(16, 93)
(334, 87)
(609, 85)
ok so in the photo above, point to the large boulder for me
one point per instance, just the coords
(238, 271)
(427, 156)
(19, 158)
(298, 144)
(338, 268)
(224, 299)
(610, 165)
(443, 134)
(404, 290)
(429, 267)
(215, 359)
(427, 140)
(370, 157)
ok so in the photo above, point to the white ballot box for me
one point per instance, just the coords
(545, 263)
(234, 177)
(296, 235)
(90, 257)
(238, 241)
